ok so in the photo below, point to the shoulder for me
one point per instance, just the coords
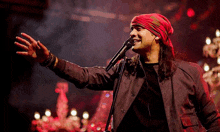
(191, 68)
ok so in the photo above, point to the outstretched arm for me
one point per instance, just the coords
(94, 77)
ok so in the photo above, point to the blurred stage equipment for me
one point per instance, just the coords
(212, 68)
(61, 123)
(73, 123)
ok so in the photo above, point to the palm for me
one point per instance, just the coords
(32, 48)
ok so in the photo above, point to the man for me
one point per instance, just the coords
(157, 93)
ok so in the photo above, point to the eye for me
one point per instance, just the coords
(138, 28)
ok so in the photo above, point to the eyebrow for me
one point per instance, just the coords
(136, 26)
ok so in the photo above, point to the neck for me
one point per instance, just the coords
(152, 56)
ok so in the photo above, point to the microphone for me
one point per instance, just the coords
(121, 53)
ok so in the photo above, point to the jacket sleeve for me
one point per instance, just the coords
(206, 109)
(95, 78)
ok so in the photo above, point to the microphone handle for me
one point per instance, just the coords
(120, 54)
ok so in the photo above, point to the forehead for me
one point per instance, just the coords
(136, 26)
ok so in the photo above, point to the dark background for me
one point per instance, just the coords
(88, 33)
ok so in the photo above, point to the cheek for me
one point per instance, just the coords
(147, 40)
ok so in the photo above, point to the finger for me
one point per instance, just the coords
(37, 45)
(23, 41)
(28, 37)
(41, 45)
(23, 53)
(21, 46)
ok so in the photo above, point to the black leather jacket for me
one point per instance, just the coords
(185, 95)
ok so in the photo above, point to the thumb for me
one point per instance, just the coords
(41, 46)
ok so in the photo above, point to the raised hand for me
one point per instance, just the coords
(32, 48)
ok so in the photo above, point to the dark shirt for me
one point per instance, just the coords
(147, 111)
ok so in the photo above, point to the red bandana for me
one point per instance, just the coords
(157, 24)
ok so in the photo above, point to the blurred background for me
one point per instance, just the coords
(88, 33)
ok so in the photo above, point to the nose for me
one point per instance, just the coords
(133, 33)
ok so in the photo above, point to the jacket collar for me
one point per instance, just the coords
(136, 62)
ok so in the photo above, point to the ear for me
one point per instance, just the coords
(157, 38)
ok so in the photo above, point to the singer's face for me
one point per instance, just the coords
(143, 39)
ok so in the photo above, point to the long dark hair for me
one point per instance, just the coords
(166, 62)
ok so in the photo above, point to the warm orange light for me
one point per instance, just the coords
(85, 115)
(47, 112)
(217, 33)
(73, 112)
(208, 40)
(218, 60)
(37, 115)
(206, 67)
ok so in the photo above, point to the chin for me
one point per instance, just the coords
(139, 50)
(135, 49)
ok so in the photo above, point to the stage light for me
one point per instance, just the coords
(37, 115)
(206, 67)
(190, 12)
(85, 115)
(208, 41)
(47, 112)
(218, 60)
(217, 33)
(73, 112)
